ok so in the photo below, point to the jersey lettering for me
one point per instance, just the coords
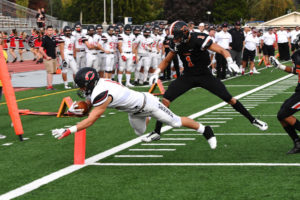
(188, 59)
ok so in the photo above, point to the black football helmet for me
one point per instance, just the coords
(99, 26)
(86, 79)
(110, 30)
(91, 30)
(179, 32)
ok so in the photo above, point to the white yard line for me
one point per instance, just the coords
(72, 168)
(229, 134)
(177, 139)
(152, 149)
(163, 144)
(215, 118)
(138, 156)
(202, 164)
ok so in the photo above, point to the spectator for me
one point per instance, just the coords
(212, 54)
(40, 18)
(247, 30)
(202, 28)
(268, 42)
(223, 38)
(21, 39)
(237, 43)
(48, 50)
(283, 44)
(293, 38)
(191, 26)
(251, 46)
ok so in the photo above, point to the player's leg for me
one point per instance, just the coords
(178, 87)
(216, 87)
(109, 66)
(129, 70)
(165, 115)
(138, 123)
(122, 66)
(289, 122)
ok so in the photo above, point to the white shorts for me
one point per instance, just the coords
(81, 59)
(71, 64)
(101, 61)
(92, 61)
(153, 108)
(144, 61)
(109, 62)
(126, 65)
(154, 60)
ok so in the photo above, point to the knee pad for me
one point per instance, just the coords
(176, 122)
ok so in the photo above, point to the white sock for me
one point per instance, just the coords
(120, 78)
(136, 75)
(128, 76)
(66, 83)
(201, 128)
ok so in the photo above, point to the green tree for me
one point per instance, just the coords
(269, 9)
(229, 11)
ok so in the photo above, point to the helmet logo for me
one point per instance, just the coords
(89, 76)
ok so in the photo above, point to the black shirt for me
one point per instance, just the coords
(237, 39)
(296, 59)
(49, 45)
(194, 54)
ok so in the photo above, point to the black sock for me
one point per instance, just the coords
(241, 109)
(297, 125)
(158, 126)
(292, 132)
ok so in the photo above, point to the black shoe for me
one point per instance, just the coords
(34, 59)
(296, 148)
(21, 61)
(146, 83)
(153, 136)
(14, 60)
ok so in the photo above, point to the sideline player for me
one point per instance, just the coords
(109, 44)
(192, 49)
(79, 34)
(104, 93)
(68, 54)
(292, 105)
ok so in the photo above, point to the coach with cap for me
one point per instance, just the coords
(237, 43)
(223, 38)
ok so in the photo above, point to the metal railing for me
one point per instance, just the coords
(14, 15)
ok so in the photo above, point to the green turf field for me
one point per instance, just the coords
(247, 164)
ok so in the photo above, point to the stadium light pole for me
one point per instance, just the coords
(208, 13)
(104, 20)
(112, 12)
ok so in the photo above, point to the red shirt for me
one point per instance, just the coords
(12, 39)
(21, 45)
(5, 47)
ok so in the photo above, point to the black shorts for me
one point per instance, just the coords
(40, 24)
(248, 55)
(208, 82)
(294, 47)
(268, 50)
(289, 107)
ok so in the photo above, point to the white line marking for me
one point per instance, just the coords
(226, 112)
(152, 149)
(163, 144)
(138, 156)
(230, 134)
(202, 164)
(6, 144)
(72, 168)
(214, 118)
(213, 122)
(256, 100)
(178, 139)
(242, 85)
(40, 134)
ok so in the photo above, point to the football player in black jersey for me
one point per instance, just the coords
(292, 105)
(192, 49)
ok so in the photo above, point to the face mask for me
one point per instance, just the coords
(68, 34)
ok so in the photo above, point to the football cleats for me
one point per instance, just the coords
(260, 124)
(87, 78)
(277, 64)
(179, 32)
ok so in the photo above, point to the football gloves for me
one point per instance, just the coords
(64, 64)
(232, 67)
(74, 110)
(61, 133)
(153, 79)
(276, 63)
(124, 58)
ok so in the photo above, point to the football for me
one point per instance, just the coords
(83, 105)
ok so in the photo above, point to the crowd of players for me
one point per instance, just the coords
(121, 50)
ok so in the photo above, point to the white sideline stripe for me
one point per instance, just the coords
(213, 122)
(226, 112)
(214, 118)
(6, 144)
(178, 139)
(202, 164)
(152, 149)
(138, 156)
(163, 144)
(241, 85)
(230, 134)
(72, 168)
(257, 100)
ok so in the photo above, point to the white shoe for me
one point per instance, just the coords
(153, 136)
(255, 71)
(210, 137)
(212, 142)
(241, 70)
(129, 85)
(2, 136)
(260, 124)
(67, 87)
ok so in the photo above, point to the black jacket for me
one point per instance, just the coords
(237, 39)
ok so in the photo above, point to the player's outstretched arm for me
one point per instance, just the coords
(278, 65)
(161, 67)
(92, 118)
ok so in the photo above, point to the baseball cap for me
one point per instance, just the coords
(238, 23)
(201, 24)
(224, 25)
(191, 22)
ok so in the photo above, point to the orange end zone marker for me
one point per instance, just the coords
(66, 102)
(10, 96)
(79, 147)
(160, 87)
